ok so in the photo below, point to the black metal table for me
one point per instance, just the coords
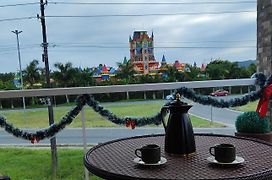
(114, 160)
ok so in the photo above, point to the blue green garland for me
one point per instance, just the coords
(68, 119)
(49, 132)
(157, 119)
(221, 103)
(131, 121)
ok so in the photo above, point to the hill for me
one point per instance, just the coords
(246, 63)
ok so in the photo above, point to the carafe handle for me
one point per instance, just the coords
(166, 109)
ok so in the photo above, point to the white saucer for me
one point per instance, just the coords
(238, 160)
(139, 161)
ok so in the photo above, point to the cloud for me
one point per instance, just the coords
(77, 39)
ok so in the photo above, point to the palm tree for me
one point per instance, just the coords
(32, 73)
(84, 77)
(126, 70)
(64, 76)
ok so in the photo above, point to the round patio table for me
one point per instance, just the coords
(114, 160)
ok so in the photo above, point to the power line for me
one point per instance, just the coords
(130, 3)
(209, 41)
(151, 3)
(155, 14)
(130, 15)
(87, 48)
(18, 18)
(161, 47)
(12, 48)
(157, 42)
(20, 4)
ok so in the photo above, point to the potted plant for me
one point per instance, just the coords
(252, 125)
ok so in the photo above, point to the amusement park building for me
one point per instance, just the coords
(142, 57)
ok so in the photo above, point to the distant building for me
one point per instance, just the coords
(179, 66)
(103, 73)
(142, 52)
(143, 60)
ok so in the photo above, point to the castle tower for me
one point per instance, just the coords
(163, 62)
(142, 52)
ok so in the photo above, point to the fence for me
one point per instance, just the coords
(121, 88)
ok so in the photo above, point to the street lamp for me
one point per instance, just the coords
(20, 64)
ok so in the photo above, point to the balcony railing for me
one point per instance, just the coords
(124, 88)
(120, 88)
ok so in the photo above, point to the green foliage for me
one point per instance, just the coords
(6, 81)
(126, 71)
(32, 73)
(251, 122)
(193, 74)
(65, 74)
(224, 69)
(84, 77)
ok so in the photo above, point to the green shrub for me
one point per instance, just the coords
(251, 122)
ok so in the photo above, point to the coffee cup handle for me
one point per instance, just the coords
(138, 150)
(211, 152)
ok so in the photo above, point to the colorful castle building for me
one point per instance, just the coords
(142, 52)
(142, 58)
(103, 73)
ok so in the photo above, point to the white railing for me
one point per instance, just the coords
(121, 88)
(124, 88)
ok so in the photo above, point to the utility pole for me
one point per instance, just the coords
(50, 108)
(20, 64)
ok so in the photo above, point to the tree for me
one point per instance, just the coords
(65, 75)
(252, 68)
(223, 69)
(192, 73)
(32, 73)
(126, 71)
(172, 74)
(6, 81)
(84, 77)
(219, 69)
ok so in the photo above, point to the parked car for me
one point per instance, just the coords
(220, 92)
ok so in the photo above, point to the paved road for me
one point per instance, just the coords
(98, 135)
(223, 115)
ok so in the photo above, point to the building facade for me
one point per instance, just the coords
(264, 37)
(142, 52)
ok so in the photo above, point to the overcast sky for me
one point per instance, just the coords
(196, 32)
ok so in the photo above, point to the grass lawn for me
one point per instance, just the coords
(248, 107)
(35, 164)
(38, 118)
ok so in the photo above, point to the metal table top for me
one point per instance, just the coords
(114, 160)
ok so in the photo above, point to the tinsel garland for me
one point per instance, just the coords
(131, 121)
(221, 103)
(261, 79)
(128, 121)
(68, 119)
(50, 131)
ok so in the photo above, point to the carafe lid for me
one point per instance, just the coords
(178, 103)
